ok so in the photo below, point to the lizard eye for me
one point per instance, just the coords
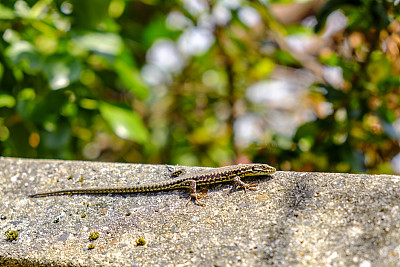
(257, 168)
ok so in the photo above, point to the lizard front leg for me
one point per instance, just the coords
(245, 186)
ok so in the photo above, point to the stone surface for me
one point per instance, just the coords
(294, 219)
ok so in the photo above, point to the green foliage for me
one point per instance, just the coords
(59, 59)
(72, 83)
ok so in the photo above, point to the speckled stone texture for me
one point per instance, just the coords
(294, 219)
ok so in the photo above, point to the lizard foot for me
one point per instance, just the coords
(196, 197)
(249, 186)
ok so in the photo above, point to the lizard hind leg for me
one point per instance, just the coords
(194, 195)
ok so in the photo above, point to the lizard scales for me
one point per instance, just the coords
(206, 177)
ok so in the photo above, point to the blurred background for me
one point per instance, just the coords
(301, 85)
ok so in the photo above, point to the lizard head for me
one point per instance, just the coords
(256, 169)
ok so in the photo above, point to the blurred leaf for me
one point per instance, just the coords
(22, 9)
(24, 52)
(309, 129)
(124, 122)
(89, 13)
(331, 59)
(4, 133)
(18, 140)
(62, 70)
(6, 13)
(387, 126)
(379, 67)
(362, 14)
(156, 29)
(41, 111)
(284, 58)
(103, 43)
(69, 110)
(379, 14)
(355, 158)
(1, 71)
(25, 108)
(58, 139)
(263, 67)
(334, 95)
(7, 101)
(329, 8)
(130, 77)
(87, 103)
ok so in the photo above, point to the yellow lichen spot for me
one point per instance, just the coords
(94, 236)
(13, 235)
(140, 242)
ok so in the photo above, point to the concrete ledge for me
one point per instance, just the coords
(293, 219)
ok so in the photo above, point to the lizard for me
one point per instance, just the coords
(211, 176)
